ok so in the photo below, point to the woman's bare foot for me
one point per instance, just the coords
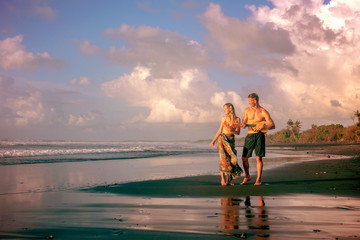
(223, 183)
(230, 184)
(245, 180)
(257, 184)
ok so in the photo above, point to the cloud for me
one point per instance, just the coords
(163, 51)
(335, 103)
(29, 109)
(167, 79)
(327, 39)
(85, 120)
(147, 8)
(13, 55)
(186, 97)
(86, 48)
(19, 107)
(42, 9)
(191, 4)
(82, 81)
(308, 50)
(32, 104)
(247, 47)
(37, 8)
(6, 112)
(6, 81)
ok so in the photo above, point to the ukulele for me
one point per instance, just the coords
(253, 124)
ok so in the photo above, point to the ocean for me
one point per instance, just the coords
(33, 152)
(41, 166)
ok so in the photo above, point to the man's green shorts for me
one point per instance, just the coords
(254, 141)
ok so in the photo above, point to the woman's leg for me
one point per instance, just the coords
(229, 179)
(223, 181)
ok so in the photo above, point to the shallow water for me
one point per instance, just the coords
(314, 216)
(299, 216)
(60, 176)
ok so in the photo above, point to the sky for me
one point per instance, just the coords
(162, 70)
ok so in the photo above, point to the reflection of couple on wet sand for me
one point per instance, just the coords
(258, 122)
(232, 221)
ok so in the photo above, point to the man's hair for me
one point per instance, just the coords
(254, 95)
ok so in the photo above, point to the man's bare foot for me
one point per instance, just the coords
(245, 180)
(257, 184)
(230, 184)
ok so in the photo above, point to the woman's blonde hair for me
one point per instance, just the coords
(232, 116)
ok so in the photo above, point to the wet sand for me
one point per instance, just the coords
(302, 200)
(338, 177)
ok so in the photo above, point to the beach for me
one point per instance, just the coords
(307, 193)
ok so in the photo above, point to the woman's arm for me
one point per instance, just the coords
(237, 126)
(218, 133)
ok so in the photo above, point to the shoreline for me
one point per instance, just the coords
(326, 176)
(338, 177)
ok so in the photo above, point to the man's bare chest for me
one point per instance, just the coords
(256, 115)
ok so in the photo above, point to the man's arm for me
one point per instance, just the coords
(270, 123)
(245, 118)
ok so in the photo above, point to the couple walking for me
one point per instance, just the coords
(258, 122)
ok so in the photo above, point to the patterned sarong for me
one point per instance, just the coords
(228, 159)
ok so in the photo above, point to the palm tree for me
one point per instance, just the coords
(357, 114)
(290, 124)
(297, 127)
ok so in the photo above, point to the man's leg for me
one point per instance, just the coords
(259, 167)
(246, 169)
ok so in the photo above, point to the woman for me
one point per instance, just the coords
(230, 125)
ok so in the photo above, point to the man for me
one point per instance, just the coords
(258, 121)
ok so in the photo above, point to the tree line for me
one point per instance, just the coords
(333, 133)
